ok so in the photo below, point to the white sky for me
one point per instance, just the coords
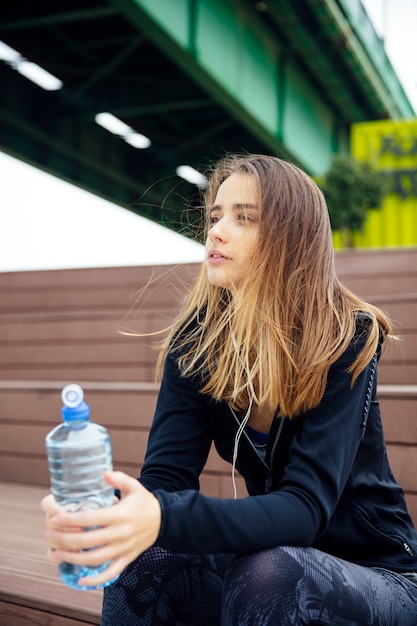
(396, 22)
(46, 223)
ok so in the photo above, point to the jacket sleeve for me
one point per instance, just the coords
(321, 458)
(180, 437)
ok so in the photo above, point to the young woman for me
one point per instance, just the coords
(274, 360)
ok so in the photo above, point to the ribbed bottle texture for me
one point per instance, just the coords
(79, 452)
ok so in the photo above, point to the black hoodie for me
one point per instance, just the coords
(326, 480)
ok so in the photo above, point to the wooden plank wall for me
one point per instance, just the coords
(63, 326)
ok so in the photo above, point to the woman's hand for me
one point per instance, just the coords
(122, 531)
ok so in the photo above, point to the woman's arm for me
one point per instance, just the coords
(180, 435)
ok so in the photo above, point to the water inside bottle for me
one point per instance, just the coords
(70, 575)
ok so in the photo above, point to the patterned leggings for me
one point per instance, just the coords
(284, 586)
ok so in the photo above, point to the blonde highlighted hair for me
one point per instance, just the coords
(292, 319)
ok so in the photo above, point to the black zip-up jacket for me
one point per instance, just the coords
(326, 481)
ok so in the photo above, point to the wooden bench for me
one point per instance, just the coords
(62, 326)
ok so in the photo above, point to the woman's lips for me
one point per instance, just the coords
(215, 257)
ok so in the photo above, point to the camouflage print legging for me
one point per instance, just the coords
(284, 586)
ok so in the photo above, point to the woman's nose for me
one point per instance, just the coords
(217, 231)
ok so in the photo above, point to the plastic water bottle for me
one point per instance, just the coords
(79, 452)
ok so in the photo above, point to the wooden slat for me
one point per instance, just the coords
(71, 372)
(399, 416)
(123, 350)
(124, 406)
(398, 373)
(403, 313)
(107, 325)
(371, 287)
(77, 301)
(412, 506)
(15, 614)
(135, 277)
(379, 263)
(403, 460)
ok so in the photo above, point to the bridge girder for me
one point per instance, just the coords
(199, 78)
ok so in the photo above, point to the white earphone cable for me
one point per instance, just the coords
(236, 445)
(244, 420)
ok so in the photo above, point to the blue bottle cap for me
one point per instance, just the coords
(74, 406)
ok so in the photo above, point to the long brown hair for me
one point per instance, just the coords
(293, 318)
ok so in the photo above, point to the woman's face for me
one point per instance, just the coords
(233, 235)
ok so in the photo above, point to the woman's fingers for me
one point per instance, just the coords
(123, 482)
(115, 568)
(93, 556)
(49, 505)
(73, 539)
(51, 555)
(52, 511)
(62, 519)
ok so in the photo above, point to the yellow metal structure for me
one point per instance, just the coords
(390, 146)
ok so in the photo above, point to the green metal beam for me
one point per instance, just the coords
(58, 18)
(105, 69)
(364, 52)
(308, 44)
(371, 46)
(231, 52)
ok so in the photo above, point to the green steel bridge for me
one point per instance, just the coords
(199, 78)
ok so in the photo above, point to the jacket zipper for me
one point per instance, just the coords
(396, 539)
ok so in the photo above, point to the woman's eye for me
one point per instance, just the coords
(213, 219)
(245, 217)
